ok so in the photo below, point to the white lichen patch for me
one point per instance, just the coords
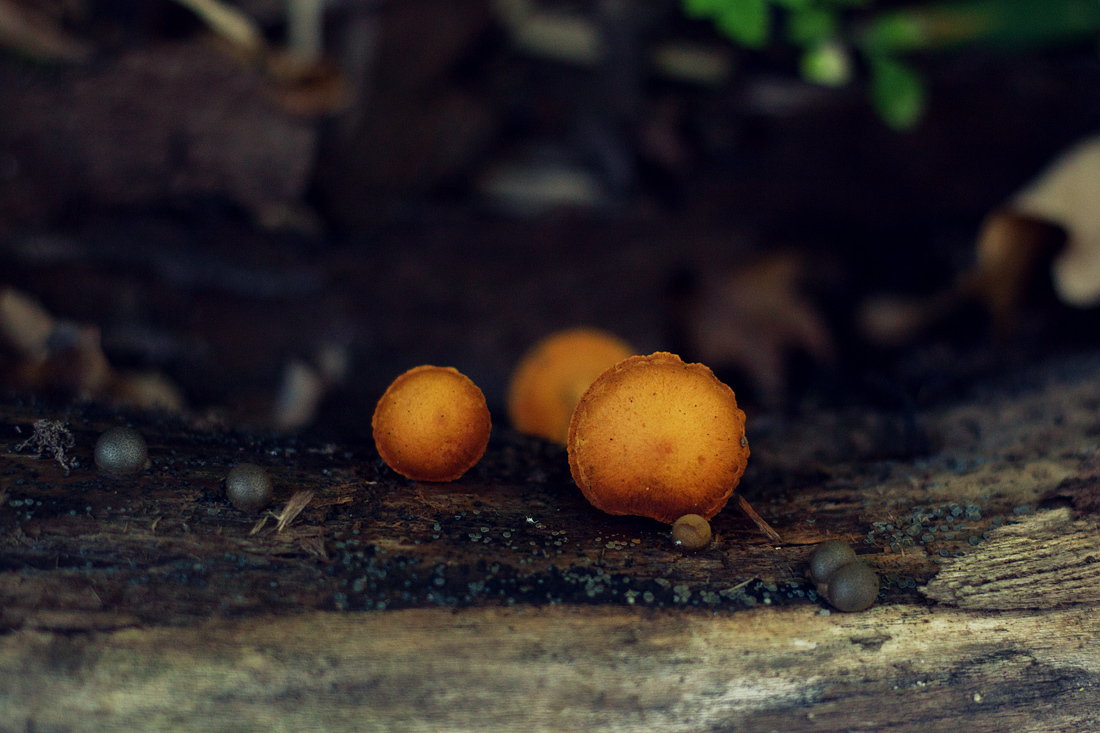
(1022, 483)
(51, 437)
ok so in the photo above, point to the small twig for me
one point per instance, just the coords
(314, 545)
(293, 508)
(420, 495)
(260, 524)
(758, 520)
(740, 585)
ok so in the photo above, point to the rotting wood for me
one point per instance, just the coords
(1045, 561)
(567, 669)
(146, 601)
(166, 547)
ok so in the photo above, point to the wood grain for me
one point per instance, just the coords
(1045, 561)
(512, 604)
(567, 669)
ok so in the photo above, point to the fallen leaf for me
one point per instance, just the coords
(1067, 193)
(25, 325)
(754, 319)
(1012, 250)
(34, 34)
(230, 23)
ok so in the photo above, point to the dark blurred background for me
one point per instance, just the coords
(262, 211)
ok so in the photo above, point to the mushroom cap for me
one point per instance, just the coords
(655, 437)
(691, 532)
(553, 375)
(432, 424)
(248, 487)
(121, 451)
(827, 557)
(853, 587)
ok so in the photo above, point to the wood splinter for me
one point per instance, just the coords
(758, 520)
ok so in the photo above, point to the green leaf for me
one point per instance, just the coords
(811, 26)
(1009, 23)
(745, 21)
(893, 33)
(794, 4)
(828, 64)
(897, 92)
(704, 8)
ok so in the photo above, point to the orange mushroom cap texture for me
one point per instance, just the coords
(432, 424)
(655, 437)
(553, 375)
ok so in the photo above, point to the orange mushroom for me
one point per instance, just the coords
(553, 375)
(655, 437)
(432, 424)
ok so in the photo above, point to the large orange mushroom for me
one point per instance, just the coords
(432, 424)
(655, 437)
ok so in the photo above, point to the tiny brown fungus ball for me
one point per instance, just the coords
(554, 374)
(432, 424)
(691, 532)
(827, 557)
(121, 452)
(248, 487)
(655, 437)
(853, 587)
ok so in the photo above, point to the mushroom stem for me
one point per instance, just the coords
(758, 520)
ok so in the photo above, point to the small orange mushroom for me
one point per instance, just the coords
(655, 437)
(553, 375)
(432, 424)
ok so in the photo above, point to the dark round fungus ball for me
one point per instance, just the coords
(121, 452)
(853, 587)
(691, 532)
(829, 556)
(248, 487)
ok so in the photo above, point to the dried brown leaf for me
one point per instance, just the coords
(754, 318)
(230, 23)
(36, 35)
(25, 325)
(1066, 194)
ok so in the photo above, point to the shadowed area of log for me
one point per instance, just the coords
(165, 547)
(1045, 561)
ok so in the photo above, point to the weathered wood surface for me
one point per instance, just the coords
(148, 603)
(1048, 560)
(567, 669)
